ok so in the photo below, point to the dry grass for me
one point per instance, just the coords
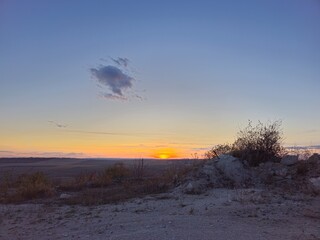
(176, 174)
(138, 171)
(118, 192)
(113, 184)
(25, 187)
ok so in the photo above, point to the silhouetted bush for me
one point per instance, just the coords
(255, 144)
(260, 143)
(218, 150)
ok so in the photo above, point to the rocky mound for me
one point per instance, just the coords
(225, 171)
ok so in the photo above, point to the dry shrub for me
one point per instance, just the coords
(6, 182)
(255, 144)
(118, 192)
(103, 179)
(26, 187)
(31, 186)
(151, 186)
(114, 174)
(260, 143)
(80, 181)
(175, 174)
(218, 150)
(138, 170)
(118, 172)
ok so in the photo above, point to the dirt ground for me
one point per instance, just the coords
(218, 214)
(254, 213)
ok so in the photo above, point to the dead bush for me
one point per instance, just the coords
(255, 144)
(6, 182)
(153, 186)
(138, 170)
(118, 172)
(26, 187)
(175, 174)
(218, 150)
(31, 186)
(260, 143)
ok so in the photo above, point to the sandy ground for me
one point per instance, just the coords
(219, 214)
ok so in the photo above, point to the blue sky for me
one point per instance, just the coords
(201, 69)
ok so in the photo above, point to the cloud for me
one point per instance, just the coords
(59, 125)
(122, 62)
(98, 133)
(115, 80)
(16, 154)
(113, 96)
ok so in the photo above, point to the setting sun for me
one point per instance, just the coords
(164, 156)
(165, 153)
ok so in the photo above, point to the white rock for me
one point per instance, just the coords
(289, 160)
(232, 168)
(315, 184)
(193, 188)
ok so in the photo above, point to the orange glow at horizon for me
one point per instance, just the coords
(165, 153)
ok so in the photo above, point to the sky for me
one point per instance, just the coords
(139, 79)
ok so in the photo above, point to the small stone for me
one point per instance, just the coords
(65, 196)
(193, 188)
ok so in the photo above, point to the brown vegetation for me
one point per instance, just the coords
(255, 144)
(113, 184)
(25, 187)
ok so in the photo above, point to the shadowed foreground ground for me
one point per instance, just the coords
(220, 214)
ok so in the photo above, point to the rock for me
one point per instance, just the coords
(289, 160)
(314, 158)
(232, 168)
(281, 172)
(315, 183)
(65, 196)
(194, 187)
(211, 174)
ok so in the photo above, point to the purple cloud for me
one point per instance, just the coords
(113, 78)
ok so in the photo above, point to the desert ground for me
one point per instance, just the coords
(217, 213)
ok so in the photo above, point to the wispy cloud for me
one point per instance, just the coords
(122, 62)
(59, 125)
(98, 132)
(116, 78)
(10, 154)
(113, 96)
(128, 134)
